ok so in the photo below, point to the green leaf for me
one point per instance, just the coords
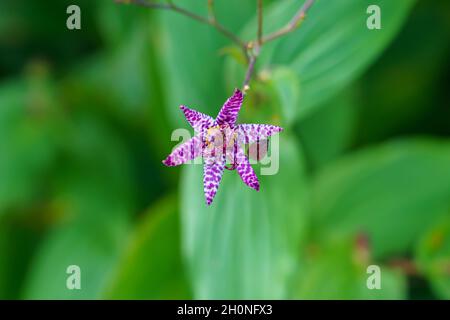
(94, 247)
(117, 21)
(95, 181)
(433, 256)
(336, 272)
(244, 246)
(391, 192)
(152, 267)
(332, 47)
(27, 139)
(92, 202)
(14, 259)
(328, 132)
(287, 85)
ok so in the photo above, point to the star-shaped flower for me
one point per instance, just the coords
(220, 142)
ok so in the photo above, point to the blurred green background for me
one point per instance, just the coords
(86, 117)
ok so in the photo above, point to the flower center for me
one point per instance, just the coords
(220, 140)
(214, 136)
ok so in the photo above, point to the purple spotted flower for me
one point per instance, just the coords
(220, 142)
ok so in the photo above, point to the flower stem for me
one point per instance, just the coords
(249, 73)
(261, 40)
(254, 52)
(173, 7)
(251, 49)
(293, 24)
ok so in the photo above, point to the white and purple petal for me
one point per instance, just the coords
(249, 133)
(184, 152)
(199, 121)
(229, 112)
(245, 170)
(212, 175)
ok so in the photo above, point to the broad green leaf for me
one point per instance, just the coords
(93, 247)
(391, 192)
(416, 101)
(27, 138)
(151, 267)
(134, 101)
(95, 180)
(433, 256)
(93, 203)
(117, 21)
(18, 239)
(332, 47)
(338, 272)
(244, 246)
(287, 86)
(328, 52)
(326, 133)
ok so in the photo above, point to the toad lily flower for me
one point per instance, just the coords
(220, 142)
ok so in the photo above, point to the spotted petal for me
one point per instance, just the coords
(199, 121)
(229, 112)
(185, 152)
(245, 170)
(249, 133)
(212, 175)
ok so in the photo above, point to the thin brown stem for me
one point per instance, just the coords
(249, 73)
(293, 24)
(173, 7)
(251, 49)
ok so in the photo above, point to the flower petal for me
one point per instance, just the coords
(212, 175)
(249, 133)
(245, 170)
(229, 112)
(185, 152)
(199, 121)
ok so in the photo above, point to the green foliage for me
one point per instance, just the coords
(24, 233)
(339, 271)
(189, 82)
(86, 118)
(379, 190)
(243, 247)
(152, 267)
(94, 248)
(27, 144)
(287, 87)
(329, 131)
(433, 256)
(332, 47)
